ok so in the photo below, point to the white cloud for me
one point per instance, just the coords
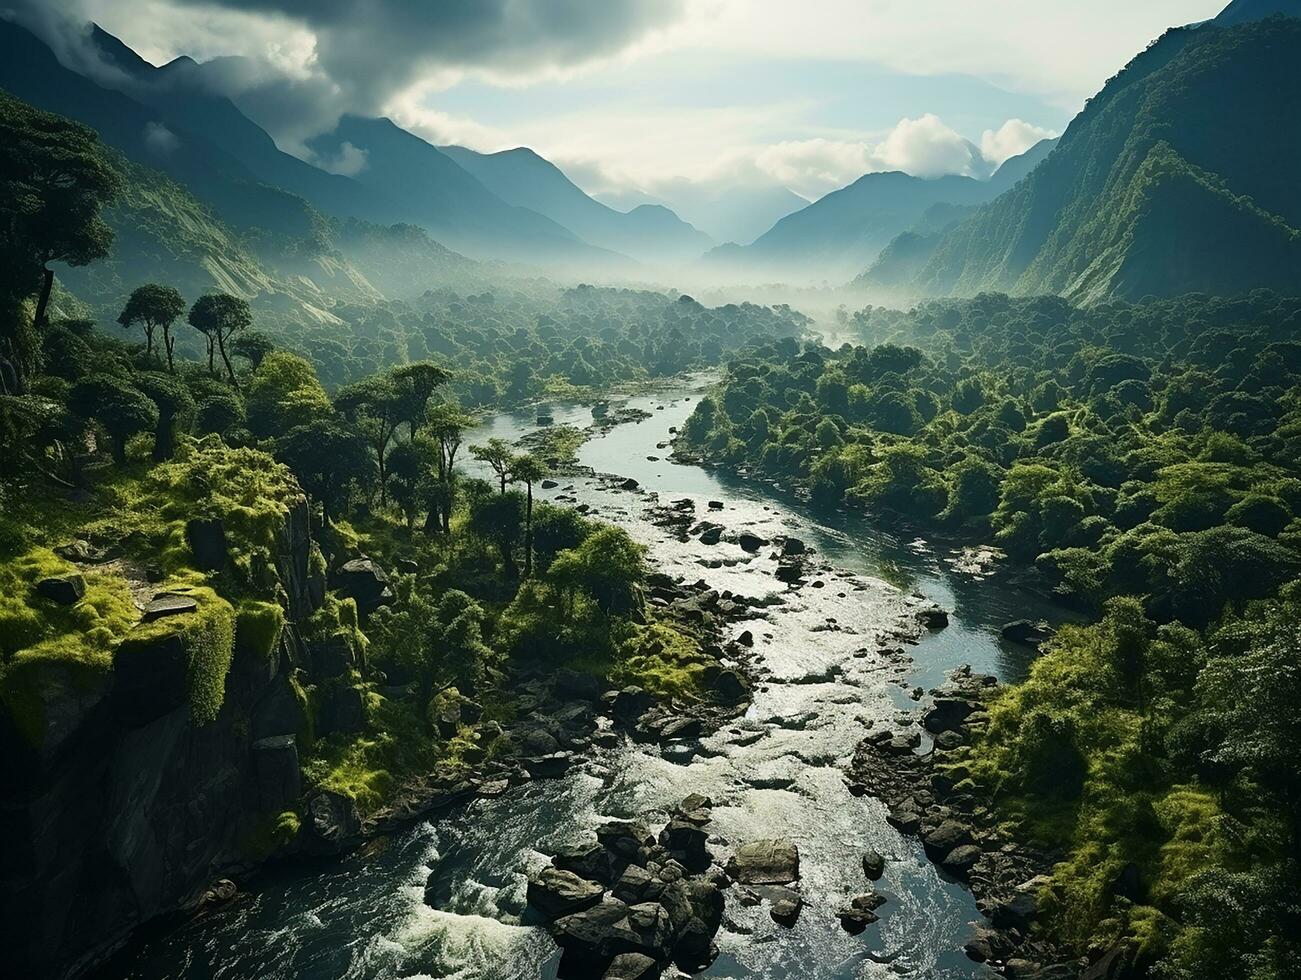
(923, 147)
(160, 139)
(348, 162)
(1011, 139)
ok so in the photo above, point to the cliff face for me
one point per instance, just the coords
(130, 798)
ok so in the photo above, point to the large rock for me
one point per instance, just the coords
(630, 704)
(632, 966)
(66, 590)
(573, 685)
(960, 861)
(279, 780)
(625, 838)
(332, 822)
(947, 714)
(686, 840)
(730, 687)
(860, 913)
(591, 939)
(765, 862)
(342, 709)
(331, 656)
(945, 837)
(1027, 632)
(168, 604)
(555, 893)
(873, 865)
(590, 861)
(363, 581)
(711, 534)
(750, 542)
(793, 547)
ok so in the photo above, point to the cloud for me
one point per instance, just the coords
(1011, 139)
(348, 162)
(160, 139)
(923, 147)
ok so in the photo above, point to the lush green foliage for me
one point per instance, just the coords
(1148, 450)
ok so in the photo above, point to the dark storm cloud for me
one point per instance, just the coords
(376, 47)
(366, 50)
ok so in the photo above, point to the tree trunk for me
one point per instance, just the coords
(119, 449)
(528, 532)
(230, 371)
(165, 439)
(43, 301)
(169, 342)
(149, 340)
(212, 349)
(383, 478)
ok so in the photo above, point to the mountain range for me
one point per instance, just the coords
(840, 234)
(1179, 176)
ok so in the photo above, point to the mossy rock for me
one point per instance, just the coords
(175, 661)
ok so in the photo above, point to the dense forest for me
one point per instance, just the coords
(272, 592)
(1143, 460)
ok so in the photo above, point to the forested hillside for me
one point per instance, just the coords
(1143, 461)
(1152, 191)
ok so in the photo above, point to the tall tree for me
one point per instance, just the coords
(153, 307)
(416, 384)
(446, 425)
(374, 407)
(173, 400)
(329, 460)
(254, 346)
(54, 181)
(528, 470)
(219, 317)
(499, 456)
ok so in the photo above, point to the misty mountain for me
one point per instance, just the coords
(725, 211)
(30, 71)
(523, 178)
(1179, 176)
(840, 234)
(455, 207)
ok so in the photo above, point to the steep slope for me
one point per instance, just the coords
(840, 234)
(453, 205)
(523, 178)
(1246, 11)
(30, 71)
(1150, 190)
(179, 93)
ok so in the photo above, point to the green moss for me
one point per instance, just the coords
(257, 627)
(208, 638)
(663, 660)
(47, 646)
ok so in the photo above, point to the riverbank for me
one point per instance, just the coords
(824, 662)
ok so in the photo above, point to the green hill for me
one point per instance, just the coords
(1180, 176)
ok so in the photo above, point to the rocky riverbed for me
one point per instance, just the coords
(819, 652)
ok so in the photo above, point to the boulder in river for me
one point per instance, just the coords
(555, 893)
(632, 966)
(860, 913)
(786, 906)
(960, 861)
(947, 714)
(792, 547)
(873, 865)
(750, 541)
(1027, 632)
(947, 836)
(765, 862)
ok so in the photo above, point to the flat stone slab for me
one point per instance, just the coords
(169, 604)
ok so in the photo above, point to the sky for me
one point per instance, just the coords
(631, 95)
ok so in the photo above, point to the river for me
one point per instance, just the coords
(364, 918)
